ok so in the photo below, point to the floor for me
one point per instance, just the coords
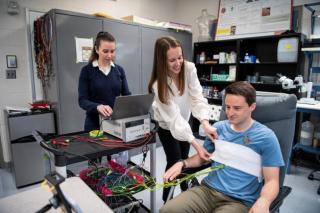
(303, 198)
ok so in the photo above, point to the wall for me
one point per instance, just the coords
(189, 10)
(16, 92)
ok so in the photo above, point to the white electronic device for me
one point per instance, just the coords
(128, 129)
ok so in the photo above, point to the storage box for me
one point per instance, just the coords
(140, 20)
(219, 77)
(175, 25)
(288, 50)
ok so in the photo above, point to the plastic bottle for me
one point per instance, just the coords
(246, 58)
(316, 135)
(306, 135)
(202, 57)
(215, 92)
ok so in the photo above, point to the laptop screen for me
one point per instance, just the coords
(131, 106)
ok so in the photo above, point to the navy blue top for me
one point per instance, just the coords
(96, 88)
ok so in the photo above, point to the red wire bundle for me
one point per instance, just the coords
(95, 182)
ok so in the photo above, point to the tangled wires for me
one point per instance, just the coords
(114, 180)
(42, 47)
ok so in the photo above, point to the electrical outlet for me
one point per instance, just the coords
(11, 74)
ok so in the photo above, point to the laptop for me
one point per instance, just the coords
(131, 106)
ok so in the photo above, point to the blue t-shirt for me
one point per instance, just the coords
(235, 183)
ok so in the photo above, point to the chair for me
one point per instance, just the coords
(313, 176)
(278, 112)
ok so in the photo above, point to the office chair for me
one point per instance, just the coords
(312, 176)
(278, 112)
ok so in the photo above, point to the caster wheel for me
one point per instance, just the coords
(70, 173)
(310, 177)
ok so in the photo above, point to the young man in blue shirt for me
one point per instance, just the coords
(235, 188)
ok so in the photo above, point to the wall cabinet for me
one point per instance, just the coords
(261, 72)
(63, 90)
(135, 45)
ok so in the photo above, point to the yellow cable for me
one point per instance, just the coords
(47, 186)
(95, 133)
(151, 185)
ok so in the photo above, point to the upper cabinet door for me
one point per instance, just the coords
(186, 40)
(71, 118)
(148, 40)
(149, 36)
(128, 53)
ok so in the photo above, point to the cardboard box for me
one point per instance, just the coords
(139, 20)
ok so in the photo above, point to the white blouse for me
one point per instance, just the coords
(104, 71)
(175, 115)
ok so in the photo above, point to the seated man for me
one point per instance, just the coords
(254, 153)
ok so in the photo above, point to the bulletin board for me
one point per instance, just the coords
(251, 18)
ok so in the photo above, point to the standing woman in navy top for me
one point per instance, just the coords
(101, 81)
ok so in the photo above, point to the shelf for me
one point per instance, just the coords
(309, 149)
(310, 49)
(265, 84)
(214, 99)
(226, 64)
(269, 63)
(315, 69)
(270, 87)
(264, 47)
(209, 81)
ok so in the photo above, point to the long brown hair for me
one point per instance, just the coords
(160, 68)
(101, 36)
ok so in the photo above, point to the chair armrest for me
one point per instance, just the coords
(185, 172)
(283, 193)
(195, 169)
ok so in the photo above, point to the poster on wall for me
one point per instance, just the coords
(251, 18)
(83, 49)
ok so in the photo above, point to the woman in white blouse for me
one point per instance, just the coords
(178, 92)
